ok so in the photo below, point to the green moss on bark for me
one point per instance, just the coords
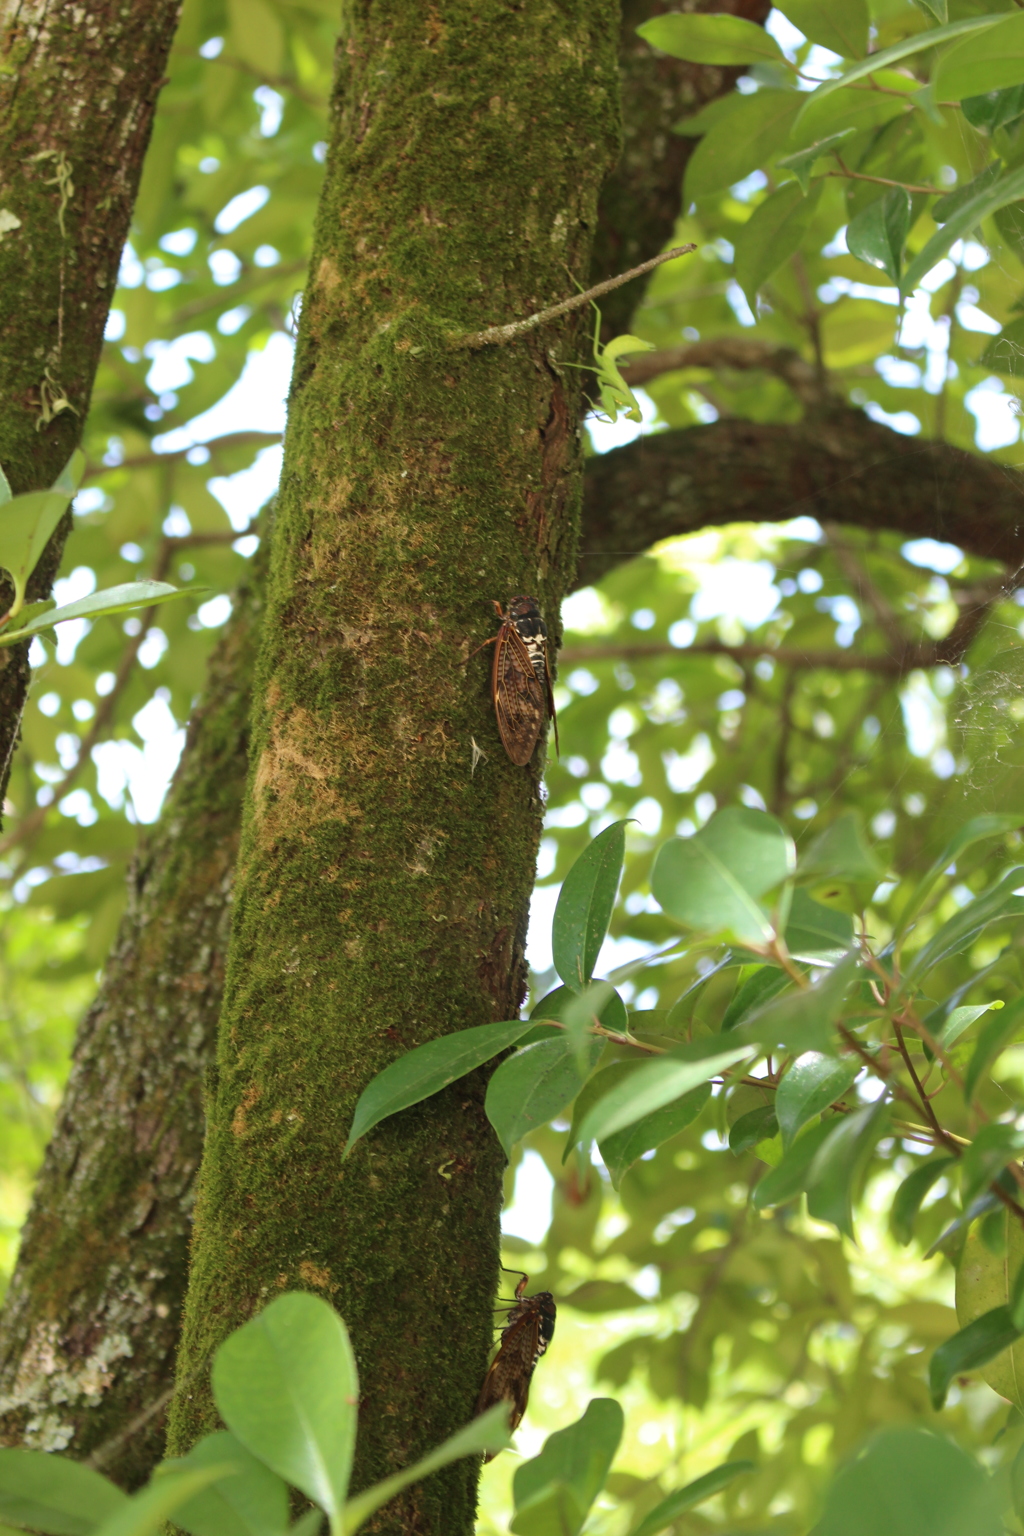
(78, 87)
(383, 885)
(92, 1316)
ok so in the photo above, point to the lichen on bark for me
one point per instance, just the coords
(383, 885)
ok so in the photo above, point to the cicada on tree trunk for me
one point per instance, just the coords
(527, 1333)
(521, 688)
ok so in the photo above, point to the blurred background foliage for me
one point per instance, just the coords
(788, 665)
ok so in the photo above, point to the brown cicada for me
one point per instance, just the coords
(521, 679)
(528, 1331)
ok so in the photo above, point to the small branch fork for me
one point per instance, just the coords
(501, 335)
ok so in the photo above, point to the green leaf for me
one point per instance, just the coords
(974, 1345)
(988, 62)
(993, 1037)
(712, 881)
(766, 981)
(837, 1173)
(957, 1023)
(585, 904)
(879, 232)
(422, 1072)
(894, 55)
(650, 1087)
(1017, 1300)
(26, 523)
(535, 1085)
(841, 25)
(938, 10)
(701, 1488)
(5, 488)
(817, 933)
(622, 1149)
(148, 1510)
(841, 853)
(803, 162)
(863, 110)
(131, 594)
(984, 1160)
(1017, 1484)
(996, 109)
(595, 1088)
(812, 1083)
(253, 1503)
(757, 1125)
(907, 1199)
(909, 1482)
(52, 1494)
(70, 477)
(788, 1178)
(757, 126)
(802, 1020)
(487, 1433)
(974, 831)
(1007, 189)
(308, 1524)
(770, 236)
(285, 1384)
(953, 201)
(554, 1491)
(1005, 352)
(580, 1012)
(960, 931)
(710, 39)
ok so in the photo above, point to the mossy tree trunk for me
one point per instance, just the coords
(383, 885)
(68, 1286)
(78, 86)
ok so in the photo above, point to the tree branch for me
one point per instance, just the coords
(837, 466)
(500, 335)
(730, 352)
(837, 660)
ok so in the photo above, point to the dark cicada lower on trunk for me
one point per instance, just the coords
(521, 679)
(526, 1335)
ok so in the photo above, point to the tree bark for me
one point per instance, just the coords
(383, 885)
(838, 466)
(92, 1315)
(78, 87)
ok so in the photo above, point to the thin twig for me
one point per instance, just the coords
(276, 82)
(500, 335)
(914, 657)
(227, 440)
(856, 573)
(736, 352)
(882, 181)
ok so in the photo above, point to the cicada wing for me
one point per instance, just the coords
(508, 1379)
(519, 702)
(551, 699)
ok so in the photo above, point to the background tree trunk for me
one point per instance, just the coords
(91, 1319)
(78, 88)
(383, 885)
